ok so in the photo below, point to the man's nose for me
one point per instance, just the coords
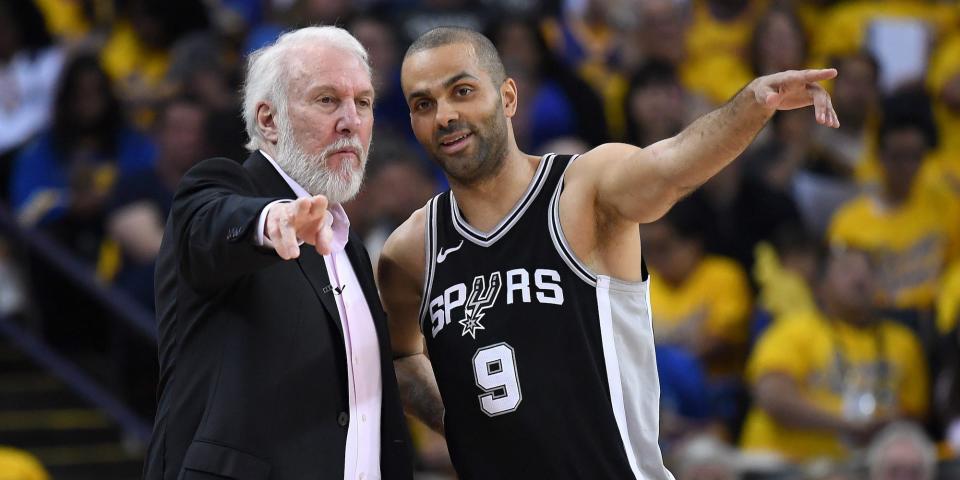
(446, 114)
(349, 119)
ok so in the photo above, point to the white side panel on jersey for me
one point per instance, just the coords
(628, 344)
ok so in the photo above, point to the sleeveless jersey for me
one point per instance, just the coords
(546, 369)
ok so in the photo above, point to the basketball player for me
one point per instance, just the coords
(525, 280)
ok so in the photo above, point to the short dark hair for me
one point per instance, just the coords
(864, 56)
(29, 23)
(483, 48)
(182, 98)
(908, 109)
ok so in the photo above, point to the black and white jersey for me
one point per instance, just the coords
(546, 369)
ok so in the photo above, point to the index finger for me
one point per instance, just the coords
(820, 75)
(318, 203)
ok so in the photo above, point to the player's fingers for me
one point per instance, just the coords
(820, 99)
(818, 75)
(833, 113)
(772, 98)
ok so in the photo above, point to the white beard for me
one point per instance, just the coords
(311, 171)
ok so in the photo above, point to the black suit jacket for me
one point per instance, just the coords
(253, 381)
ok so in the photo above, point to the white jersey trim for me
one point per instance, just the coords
(430, 243)
(485, 239)
(566, 252)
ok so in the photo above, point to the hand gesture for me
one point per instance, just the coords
(290, 223)
(797, 89)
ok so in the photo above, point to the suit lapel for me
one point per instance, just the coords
(315, 269)
(266, 178)
(271, 184)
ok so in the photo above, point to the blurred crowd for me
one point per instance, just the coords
(805, 300)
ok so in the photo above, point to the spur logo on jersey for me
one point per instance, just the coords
(470, 308)
(482, 297)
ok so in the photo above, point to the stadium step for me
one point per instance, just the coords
(72, 439)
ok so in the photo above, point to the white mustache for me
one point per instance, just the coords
(350, 144)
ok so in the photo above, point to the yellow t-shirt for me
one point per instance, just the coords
(940, 177)
(715, 295)
(64, 18)
(782, 291)
(19, 465)
(716, 63)
(944, 65)
(911, 244)
(595, 48)
(803, 346)
(844, 27)
(127, 60)
(948, 300)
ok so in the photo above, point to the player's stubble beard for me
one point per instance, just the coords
(490, 141)
(311, 171)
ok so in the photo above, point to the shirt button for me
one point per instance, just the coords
(363, 476)
(343, 419)
(363, 418)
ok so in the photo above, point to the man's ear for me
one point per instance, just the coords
(508, 93)
(267, 122)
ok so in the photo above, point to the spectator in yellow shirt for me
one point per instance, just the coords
(943, 80)
(844, 28)
(827, 380)
(911, 235)
(137, 52)
(948, 300)
(700, 302)
(16, 464)
(717, 43)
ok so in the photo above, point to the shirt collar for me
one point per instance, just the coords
(337, 220)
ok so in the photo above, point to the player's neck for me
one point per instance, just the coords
(485, 202)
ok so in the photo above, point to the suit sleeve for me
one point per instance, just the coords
(214, 218)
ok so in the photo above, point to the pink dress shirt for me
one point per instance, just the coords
(364, 385)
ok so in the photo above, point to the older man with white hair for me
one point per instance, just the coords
(902, 451)
(274, 355)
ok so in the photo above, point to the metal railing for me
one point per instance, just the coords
(118, 303)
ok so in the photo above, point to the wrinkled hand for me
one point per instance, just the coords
(797, 89)
(302, 220)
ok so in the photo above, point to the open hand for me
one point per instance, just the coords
(797, 89)
(302, 220)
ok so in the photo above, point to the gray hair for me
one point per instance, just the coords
(902, 431)
(268, 68)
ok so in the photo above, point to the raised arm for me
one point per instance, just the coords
(640, 185)
(400, 279)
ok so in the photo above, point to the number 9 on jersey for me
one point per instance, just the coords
(495, 371)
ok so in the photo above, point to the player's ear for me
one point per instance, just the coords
(508, 95)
